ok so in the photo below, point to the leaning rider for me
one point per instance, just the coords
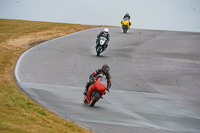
(105, 71)
(106, 34)
(129, 18)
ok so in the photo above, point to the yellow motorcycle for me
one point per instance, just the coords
(125, 25)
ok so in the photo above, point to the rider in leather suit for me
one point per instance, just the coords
(105, 33)
(104, 70)
(128, 16)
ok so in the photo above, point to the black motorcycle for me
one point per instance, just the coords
(101, 45)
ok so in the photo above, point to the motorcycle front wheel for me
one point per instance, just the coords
(125, 28)
(94, 99)
(99, 49)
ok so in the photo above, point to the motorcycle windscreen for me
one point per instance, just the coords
(102, 40)
(103, 80)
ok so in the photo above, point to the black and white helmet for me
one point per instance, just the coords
(106, 30)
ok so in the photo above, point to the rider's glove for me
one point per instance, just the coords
(91, 81)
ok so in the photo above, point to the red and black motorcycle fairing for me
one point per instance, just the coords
(96, 90)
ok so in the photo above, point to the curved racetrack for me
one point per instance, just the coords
(155, 80)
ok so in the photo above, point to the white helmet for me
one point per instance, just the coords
(106, 30)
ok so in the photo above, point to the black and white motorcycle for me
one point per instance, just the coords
(101, 45)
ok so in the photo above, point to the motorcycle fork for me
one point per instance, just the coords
(93, 93)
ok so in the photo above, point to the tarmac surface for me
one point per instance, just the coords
(155, 80)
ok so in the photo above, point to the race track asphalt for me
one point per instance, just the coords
(155, 80)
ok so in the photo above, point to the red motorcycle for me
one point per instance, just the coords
(96, 90)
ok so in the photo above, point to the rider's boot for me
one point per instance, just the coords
(85, 92)
(86, 89)
(96, 42)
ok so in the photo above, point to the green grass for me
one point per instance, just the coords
(18, 113)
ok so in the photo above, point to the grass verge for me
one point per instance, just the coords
(18, 113)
